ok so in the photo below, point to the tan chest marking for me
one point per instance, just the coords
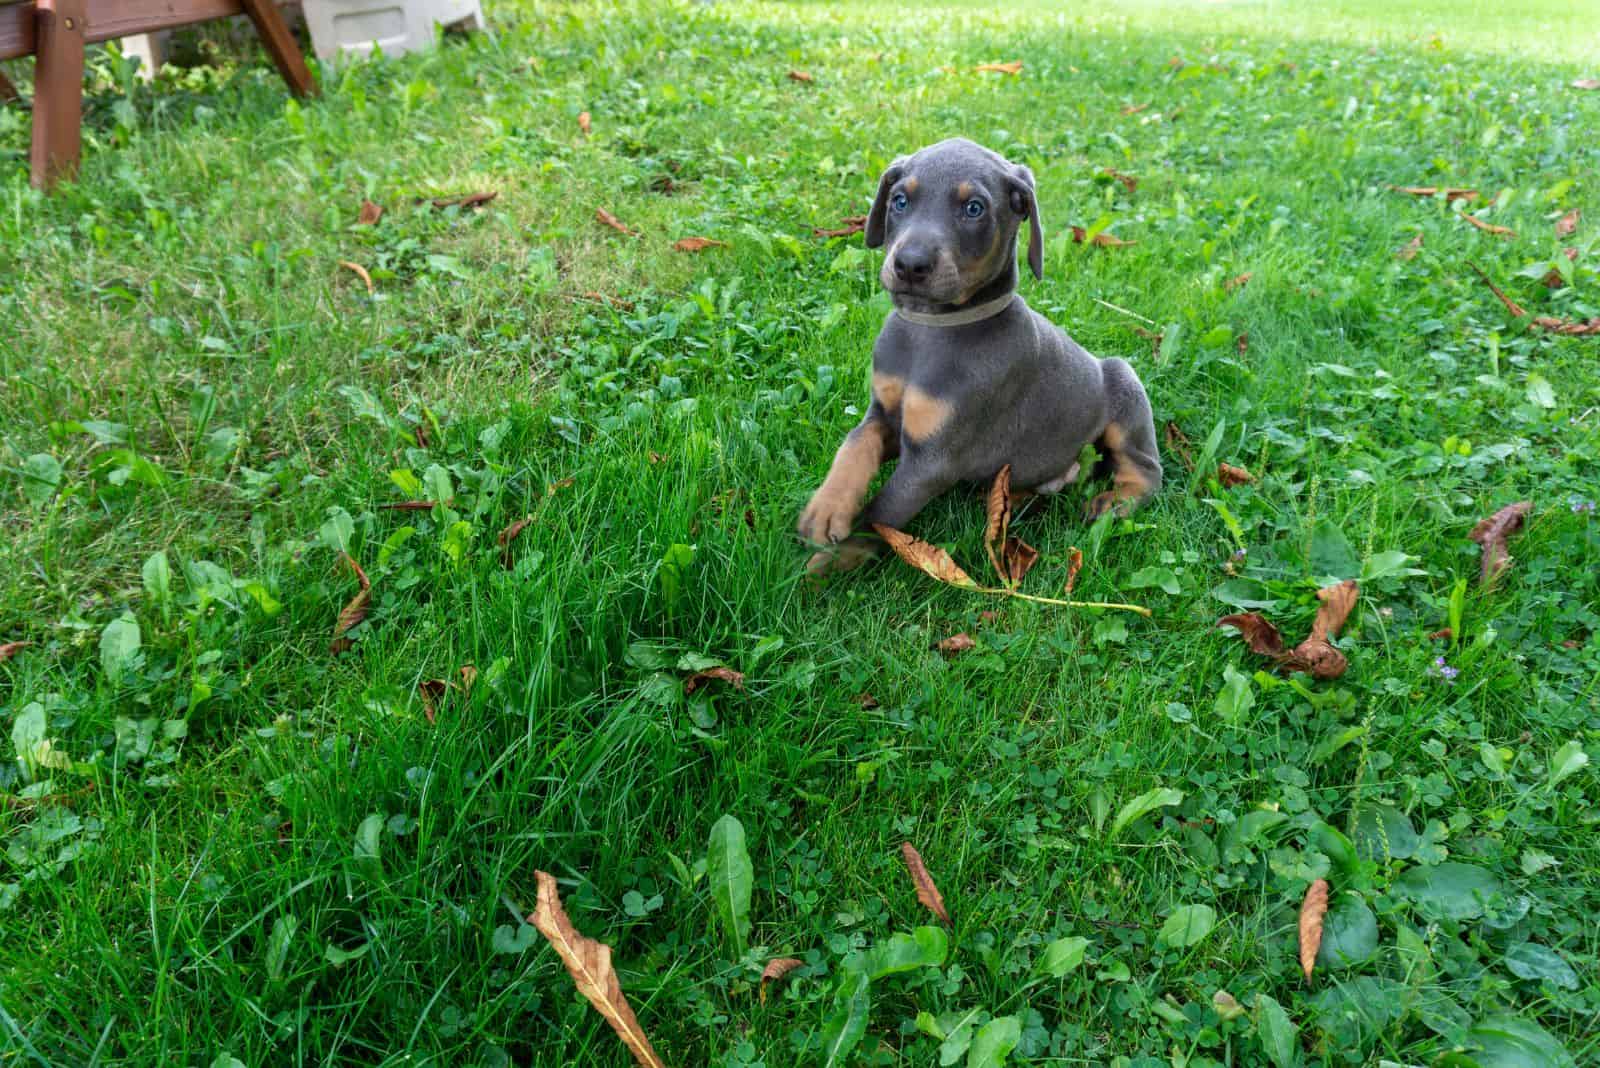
(923, 414)
(887, 390)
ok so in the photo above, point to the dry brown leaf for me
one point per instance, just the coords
(956, 643)
(1133, 109)
(927, 893)
(558, 485)
(1312, 911)
(11, 649)
(471, 200)
(1258, 633)
(354, 611)
(866, 701)
(1511, 306)
(1569, 327)
(988, 615)
(1012, 67)
(370, 214)
(1237, 282)
(775, 970)
(1103, 239)
(850, 224)
(589, 964)
(1337, 602)
(1019, 558)
(1243, 342)
(1443, 634)
(1568, 223)
(604, 216)
(406, 506)
(430, 690)
(1410, 251)
(1433, 190)
(997, 525)
(1178, 442)
(700, 678)
(1229, 475)
(1074, 566)
(697, 244)
(1492, 533)
(929, 559)
(657, 458)
(1489, 228)
(802, 76)
(361, 272)
(469, 676)
(1128, 180)
(584, 123)
(1587, 83)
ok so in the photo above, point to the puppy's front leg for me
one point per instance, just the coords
(831, 515)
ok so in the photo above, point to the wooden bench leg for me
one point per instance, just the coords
(274, 33)
(57, 90)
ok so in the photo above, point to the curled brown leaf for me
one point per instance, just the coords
(1011, 67)
(354, 611)
(1238, 281)
(1312, 912)
(866, 701)
(1568, 223)
(11, 649)
(584, 123)
(361, 273)
(1568, 327)
(1316, 656)
(929, 559)
(850, 224)
(1587, 83)
(1229, 475)
(589, 964)
(927, 892)
(1018, 557)
(469, 676)
(1074, 566)
(1102, 239)
(1489, 228)
(1258, 633)
(802, 76)
(726, 674)
(1133, 109)
(775, 971)
(1511, 306)
(370, 214)
(509, 535)
(1433, 190)
(697, 244)
(1128, 181)
(1410, 251)
(997, 524)
(470, 200)
(430, 691)
(1492, 533)
(605, 217)
(956, 643)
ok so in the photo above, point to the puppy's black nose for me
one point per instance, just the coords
(913, 263)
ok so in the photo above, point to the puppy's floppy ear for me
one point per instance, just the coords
(877, 217)
(1025, 202)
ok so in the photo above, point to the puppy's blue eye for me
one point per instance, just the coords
(898, 202)
(974, 208)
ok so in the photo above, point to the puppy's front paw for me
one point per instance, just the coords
(847, 556)
(828, 518)
(1106, 502)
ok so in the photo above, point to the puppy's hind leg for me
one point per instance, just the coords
(1128, 441)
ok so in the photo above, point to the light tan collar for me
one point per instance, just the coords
(961, 316)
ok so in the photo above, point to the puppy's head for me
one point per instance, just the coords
(949, 215)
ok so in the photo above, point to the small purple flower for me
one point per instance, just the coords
(1442, 670)
(1582, 507)
(1239, 554)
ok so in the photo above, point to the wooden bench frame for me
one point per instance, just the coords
(57, 31)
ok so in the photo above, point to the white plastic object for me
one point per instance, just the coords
(344, 27)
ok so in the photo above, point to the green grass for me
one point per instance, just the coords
(186, 370)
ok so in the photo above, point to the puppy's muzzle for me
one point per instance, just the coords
(913, 263)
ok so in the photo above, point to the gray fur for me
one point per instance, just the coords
(1019, 390)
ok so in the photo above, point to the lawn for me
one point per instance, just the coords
(230, 842)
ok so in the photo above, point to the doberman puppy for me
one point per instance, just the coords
(966, 378)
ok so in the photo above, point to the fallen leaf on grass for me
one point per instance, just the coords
(1568, 223)
(1178, 443)
(1511, 306)
(430, 690)
(1569, 327)
(1074, 566)
(509, 535)
(1133, 109)
(775, 971)
(1587, 83)
(1443, 634)
(866, 701)
(1433, 190)
(1019, 558)
(1316, 656)
(361, 272)
(1237, 282)
(1552, 278)
(11, 649)
(1312, 912)
(558, 485)
(956, 643)
(471, 200)
(851, 224)
(1492, 533)
(354, 611)
(1410, 251)
(697, 244)
(469, 676)
(604, 216)
(1489, 228)
(1229, 475)
(997, 524)
(1011, 67)
(700, 678)
(1243, 342)
(584, 123)
(802, 76)
(927, 893)
(589, 964)
(929, 559)
(1128, 180)
(370, 214)
(406, 506)
(1103, 239)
